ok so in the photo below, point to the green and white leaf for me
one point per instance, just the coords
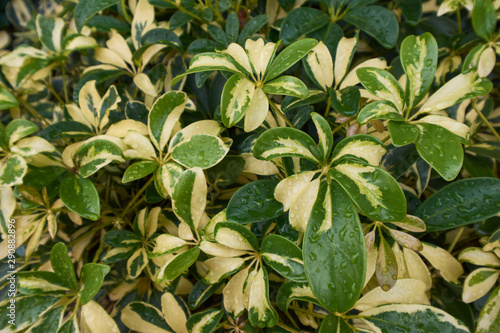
(449, 267)
(144, 318)
(459, 129)
(236, 98)
(164, 115)
(406, 317)
(490, 314)
(286, 85)
(137, 262)
(379, 110)
(289, 188)
(50, 32)
(236, 236)
(219, 268)
(175, 312)
(201, 150)
(374, 191)
(95, 319)
(284, 256)
(419, 57)
(284, 142)
(361, 146)
(166, 177)
(324, 134)
(139, 170)
(479, 257)
(18, 129)
(382, 84)
(319, 66)
(204, 322)
(12, 170)
(189, 197)
(96, 154)
(260, 311)
(479, 283)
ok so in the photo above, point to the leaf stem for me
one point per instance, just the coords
(459, 20)
(34, 112)
(65, 82)
(455, 240)
(485, 120)
(131, 202)
(184, 10)
(280, 113)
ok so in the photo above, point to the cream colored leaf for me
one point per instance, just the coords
(288, 189)
(219, 250)
(219, 267)
(478, 283)
(302, 205)
(173, 313)
(320, 63)
(449, 267)
(257, 110)
(345, 49)
(417, 269)
(94, 319)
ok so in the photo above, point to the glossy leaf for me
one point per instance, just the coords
(92, 278)
(289, 56)
(301, 21)
(80, 196)
(334, 250)
(284, 257)
(63, 266)
(87, 8)
(460, 203)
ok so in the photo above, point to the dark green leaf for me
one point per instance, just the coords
(80, 196)
(87, 8)
(63, 266)
(92, 278)
(301, 21)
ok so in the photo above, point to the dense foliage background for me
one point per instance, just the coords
(249, 166)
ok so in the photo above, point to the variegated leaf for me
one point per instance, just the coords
(479, 283)
(94, 319)
(12, 170)
(201, 150)
(479, 257)
(289, 188)
(345, 52)
(165, 244)
(379, 110)
(257, 110)
(459, 129)
(324, 134)
(319, 66)
(204, 322)
(166, 177)
(96, 154)
(419, 55)
(383, 85)
(220, 267)
(283, 142)
(18, 129)
(361, 146)
(286, 85)
(219, 250)
(235, 236)
(284, 257)
(32, 146)
(144, 318)
(137, 262)
(189, 197)
(236, 99)
(290, 291)
(209, 62)
(163, 116)
(139, 170)
(175, 312)
(458, 89)
(449, 267)
(407, 317)
(374, 191)
(33, 283)
(490, 314)
(260, 311)
(302, 205)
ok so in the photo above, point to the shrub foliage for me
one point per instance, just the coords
(249, 166)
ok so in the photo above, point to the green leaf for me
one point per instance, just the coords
(290, 291)
(382, 84)
(227, 171)
(28, 311)
(334, 324)
(254, 202)
(284, 257)
(374, 191)
(409, 317)
(217, 34)
(142, 317)
(411, 9)
(232, 27)
(346, 101)
(283, 142)
(87, 8)
(201, 150)
(12, 170)
(80, 196)
(441, 149)
(334, 250)
(286, 85)
(7, 101)
(376, 21)
(289, 56)
(204, 322)
(489, 318)
(484, 19)
(314, 96)
(379, 110)
(92, 277)
(164, 114)
(69, 326)
(161, 36)
(301, 21)
(386, 266)
(461, 203)
(95, 155)
(63, 266)
(252, 27)
(235, 236)
(66, 129)
(189, 197)
(402, 132)
(178, 265)
(419, 57)
(139, 170)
